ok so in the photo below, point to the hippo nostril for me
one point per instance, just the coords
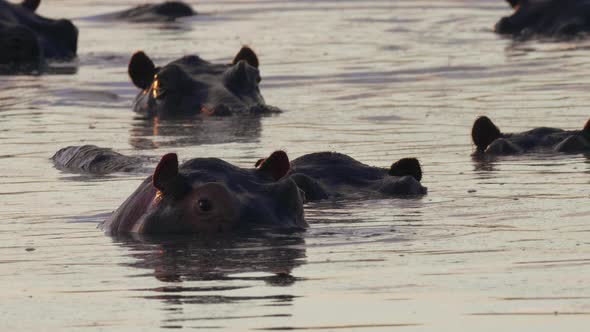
(205, 205)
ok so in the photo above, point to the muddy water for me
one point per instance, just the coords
(496, 245)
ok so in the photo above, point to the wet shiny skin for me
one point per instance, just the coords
(497, 245)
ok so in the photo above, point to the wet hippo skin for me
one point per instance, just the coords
(325, 175)
(490, 140)
(160, 12)
(552, 18)
(191, 85)
(209, 195)
(28, 39)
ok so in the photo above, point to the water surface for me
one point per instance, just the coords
(495, 245)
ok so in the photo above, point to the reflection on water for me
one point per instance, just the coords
(155, 133)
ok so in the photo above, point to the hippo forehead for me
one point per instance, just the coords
(239, 180)
(198, 70)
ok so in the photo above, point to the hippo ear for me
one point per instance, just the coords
(141, 70)
(484, 132)
(586, 129)
(514, 3)
(406, 166)
(166, 172)
(276, 165)
(31, 4)
(248, 55)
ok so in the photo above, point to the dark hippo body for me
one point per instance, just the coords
(546, 18)
(210, 195)
(160, 12)
(326, 175)
(191, 85)
(27, 39)
(490, 140)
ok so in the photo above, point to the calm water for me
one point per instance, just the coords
(499, 245)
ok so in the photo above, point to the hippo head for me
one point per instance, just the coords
(484, 132)
(404, 178)
(207, 195)
(28, 38)
(191, 85)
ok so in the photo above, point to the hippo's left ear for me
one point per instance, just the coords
(586, 129)
(31, 5)
(277, 165)
(247, 54)
(166, 172)
(406, 166)
(141, 70)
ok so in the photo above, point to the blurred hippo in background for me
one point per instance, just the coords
(490, 140)
(161, 12)
(325, 175)
(553, 18)
(191, 85)
(27, 39)
(209, 195)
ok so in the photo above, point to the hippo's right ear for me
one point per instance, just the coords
(406, 166)
(166, 172)
(484, 132)
(31, 5)
(248, 55)
(141, 70)
(277, 165)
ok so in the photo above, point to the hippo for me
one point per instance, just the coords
(161, 12)
(28, 40)
(209, 195)
(551, 18)
(97, 160)
(488, 139)
(332, 175)
(191, 85)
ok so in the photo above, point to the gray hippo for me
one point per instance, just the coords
(490, 140)
(97, 160)
(331, 175)
(27, 39)
(191, 85)
(160, 12)
(553, 18)
(205, 195)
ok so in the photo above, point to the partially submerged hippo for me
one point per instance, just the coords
(191, 85)
(210, 195)
(326, 175)
(27, 39)
(490, 140)
(160, 12)
(96, 160)
(546, 18)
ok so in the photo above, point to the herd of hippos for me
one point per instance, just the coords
(211, 195)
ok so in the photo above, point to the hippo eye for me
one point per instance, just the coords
(205, 205)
